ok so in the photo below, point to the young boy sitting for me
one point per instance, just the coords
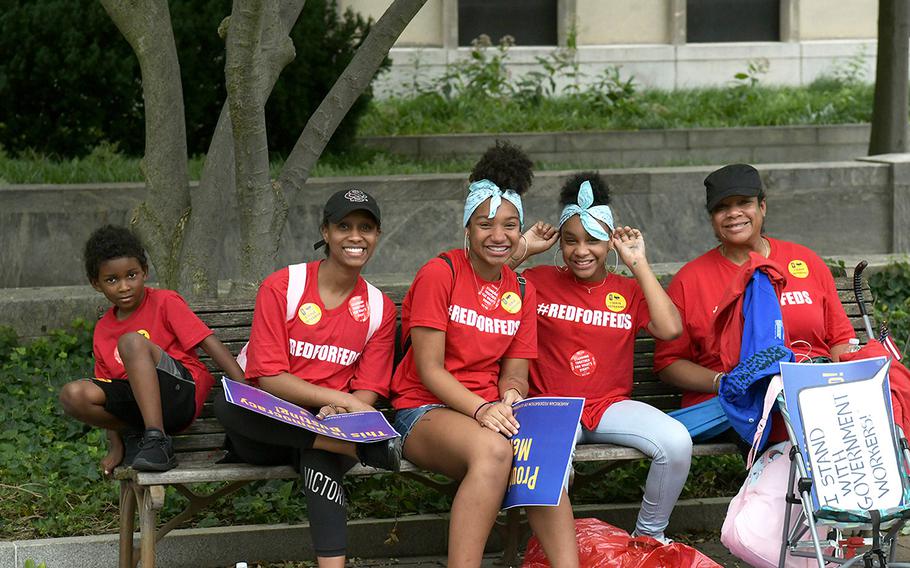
(148, 382)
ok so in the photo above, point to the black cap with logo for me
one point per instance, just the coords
(343, 203)
(735, 179)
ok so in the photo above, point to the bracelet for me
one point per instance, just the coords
(478, 409)
(716, 381)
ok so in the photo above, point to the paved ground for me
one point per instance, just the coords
(708, 544)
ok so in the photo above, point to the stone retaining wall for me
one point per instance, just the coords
(833, 207)
(627, 148)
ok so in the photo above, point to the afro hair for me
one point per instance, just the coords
(506, 165)
(568, 195)
(109, 242)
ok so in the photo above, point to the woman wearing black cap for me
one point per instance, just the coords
(813, 316)
(322, 338)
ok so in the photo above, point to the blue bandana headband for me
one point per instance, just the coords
(484, 189)
(589, 215)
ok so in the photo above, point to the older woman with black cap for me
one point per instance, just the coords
(813, 316)
(322, 338)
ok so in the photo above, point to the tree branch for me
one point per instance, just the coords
(161, 218)
(352, 82)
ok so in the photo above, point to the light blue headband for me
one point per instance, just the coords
(589, 215)
(481, 190)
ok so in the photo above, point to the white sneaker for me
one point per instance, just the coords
(661, 538)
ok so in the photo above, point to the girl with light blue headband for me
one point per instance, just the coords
(590, 316)
(472, 329)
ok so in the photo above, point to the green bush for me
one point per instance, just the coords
(75, 84)
(891, 292)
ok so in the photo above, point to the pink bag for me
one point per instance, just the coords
(755, 519)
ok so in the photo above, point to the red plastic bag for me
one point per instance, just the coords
(605, 546)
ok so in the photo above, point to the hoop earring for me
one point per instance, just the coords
(466, 253)
(615, 264)
(562, 268)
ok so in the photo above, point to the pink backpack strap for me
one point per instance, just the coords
(775, 387)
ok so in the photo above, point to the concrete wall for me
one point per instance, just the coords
(654, 65)
(844, 19)
(425, 30)
(622, 21)
(625, 148)
(43, 228)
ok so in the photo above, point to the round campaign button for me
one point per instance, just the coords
(309, 313)
(798, 268)
(511, 302)
(144, 333)
(359, 309)
(615, 302)
(582, 363)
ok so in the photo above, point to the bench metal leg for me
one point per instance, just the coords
(512, 536)
(127, 523)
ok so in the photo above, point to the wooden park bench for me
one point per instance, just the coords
(200, 447)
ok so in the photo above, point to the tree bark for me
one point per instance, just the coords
(161, 218)
(262, 210)
(199, 267)
(889, 111)
(352, 82)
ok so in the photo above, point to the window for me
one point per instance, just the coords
(530, 22)
(732, 20)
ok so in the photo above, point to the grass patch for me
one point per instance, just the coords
(823, 102)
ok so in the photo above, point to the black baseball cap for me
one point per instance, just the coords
(735, 179)
(344, 202)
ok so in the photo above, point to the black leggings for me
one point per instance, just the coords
(261, 440)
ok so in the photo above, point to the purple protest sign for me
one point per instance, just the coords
(368, 426)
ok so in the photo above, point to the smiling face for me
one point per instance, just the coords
(737, 220)
(492, 241)
(352, 240)
(122, 281)
(584, 255)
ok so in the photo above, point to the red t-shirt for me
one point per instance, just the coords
(324, 347)
(589, 338)
(164, 319)
(484, 322)
(810, 307)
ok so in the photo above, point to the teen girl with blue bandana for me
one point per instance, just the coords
(590, 317)
(472, 330)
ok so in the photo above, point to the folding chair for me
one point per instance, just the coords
(849, 464)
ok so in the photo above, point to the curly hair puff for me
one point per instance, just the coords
(506, 165)
(109, 242)
(568, 194)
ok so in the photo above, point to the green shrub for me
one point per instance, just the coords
(75, 84)
(891, 291)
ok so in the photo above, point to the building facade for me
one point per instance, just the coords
(662, 43)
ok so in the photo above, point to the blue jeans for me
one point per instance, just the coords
(662, 438)
(407, 417)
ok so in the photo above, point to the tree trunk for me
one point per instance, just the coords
(261, 209)
(352, 82)
(199, 267)
(889, 111)
(160, 219)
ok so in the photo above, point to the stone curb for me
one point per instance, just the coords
(418, 535)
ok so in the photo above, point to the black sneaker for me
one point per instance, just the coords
(156, 452)
(131, 442)
(381, 455)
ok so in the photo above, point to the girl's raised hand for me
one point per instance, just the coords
(540, 237)
(630, 246)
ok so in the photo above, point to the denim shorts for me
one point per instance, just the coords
(405, 418)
